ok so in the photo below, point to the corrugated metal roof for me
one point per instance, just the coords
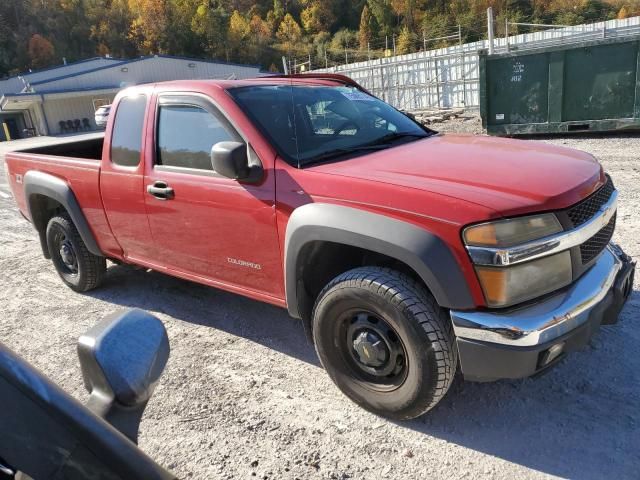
(148, 70)
(16, 83)
(82, 74)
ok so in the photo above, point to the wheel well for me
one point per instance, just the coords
(320, 261)
(43, 209)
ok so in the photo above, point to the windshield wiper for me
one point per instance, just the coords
(378, 144)
(390, 137)
(338, 152)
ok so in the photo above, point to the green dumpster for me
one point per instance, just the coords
(586, 87)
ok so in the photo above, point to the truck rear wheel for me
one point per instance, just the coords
(385, 342)
(77, 266)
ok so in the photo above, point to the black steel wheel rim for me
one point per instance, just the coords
(65, 253)
(372, 349)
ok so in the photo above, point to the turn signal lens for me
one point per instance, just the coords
(505, 286)
(515, 231)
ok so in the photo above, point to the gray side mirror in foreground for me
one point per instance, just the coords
(122, 359)
(230, 159)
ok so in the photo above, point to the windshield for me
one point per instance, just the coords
(329, 122)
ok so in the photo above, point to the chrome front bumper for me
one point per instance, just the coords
(555, 316)
(520, 342)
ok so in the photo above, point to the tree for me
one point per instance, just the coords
(289, 33)
(406, 41)
(365, 33)
(107, 20)
(275, 15)
(568, 18)
(238, 32)
(623, 13)
(70, 30)
(261, 31)
(320, 44)
(344, 39)
(150, 25)
(41, 51)
(435, 26)
(405, 9)
(211, 24)
(182, 37)
(382, 12)
(318, 16)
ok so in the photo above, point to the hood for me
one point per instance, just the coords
(508, 176)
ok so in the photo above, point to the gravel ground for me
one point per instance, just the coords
(243, 395)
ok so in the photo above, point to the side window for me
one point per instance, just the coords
(186, 134)
(126, 140)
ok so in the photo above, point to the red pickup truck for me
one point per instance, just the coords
(406, 254)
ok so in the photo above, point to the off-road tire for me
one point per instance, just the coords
(422, 326)
(90, 268)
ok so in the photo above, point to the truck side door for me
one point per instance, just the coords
(205, 225)
(122, 177)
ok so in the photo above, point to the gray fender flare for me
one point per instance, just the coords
(39, 183)
(424, 252)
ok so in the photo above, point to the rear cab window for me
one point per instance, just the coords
(126, 139)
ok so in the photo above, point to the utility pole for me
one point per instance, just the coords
(368, 51)
(394, 44)
(309, 61)
(284, 64)
(346, 58)
(506, 32)
(490, 29)
(459, 35)
(424, 39)
(326, 60)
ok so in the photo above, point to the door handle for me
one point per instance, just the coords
(161, 190)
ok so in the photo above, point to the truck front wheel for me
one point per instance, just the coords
(385, 342)
(77, 266)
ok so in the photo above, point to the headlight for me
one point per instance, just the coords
(507, 233)
(508, 285)
(504, 286)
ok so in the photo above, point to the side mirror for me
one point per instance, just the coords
(230, 159)
(122, 359)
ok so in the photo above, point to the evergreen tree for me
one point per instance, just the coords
(365, 33)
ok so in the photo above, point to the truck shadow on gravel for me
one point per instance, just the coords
(190, 302)
(580, 420)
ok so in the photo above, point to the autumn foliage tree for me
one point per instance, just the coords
(289, 33)
(150, 25)
(41, 51)
(39, 33)
(365, 32)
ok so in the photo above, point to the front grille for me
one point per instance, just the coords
(587, 208)
(592, 247)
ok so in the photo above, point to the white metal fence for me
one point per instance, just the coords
(449, 77)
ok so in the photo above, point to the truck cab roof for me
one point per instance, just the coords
(322, 79)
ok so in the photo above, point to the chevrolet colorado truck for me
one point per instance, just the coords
(408, 255)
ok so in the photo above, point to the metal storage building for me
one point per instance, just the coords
(42, 102)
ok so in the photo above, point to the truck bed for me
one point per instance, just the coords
(78, 164)
(89, 149)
